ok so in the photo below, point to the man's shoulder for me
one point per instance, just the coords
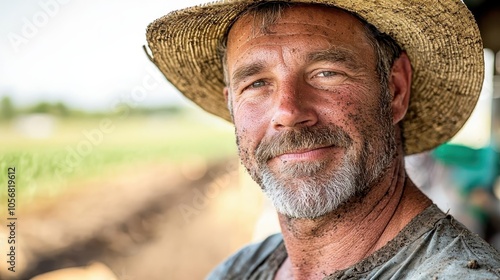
(433, 246)
(451, 251)
(246, 260)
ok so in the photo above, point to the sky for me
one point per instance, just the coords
(87, 54)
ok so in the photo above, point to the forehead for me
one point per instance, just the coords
(321, 14)
(304, 26)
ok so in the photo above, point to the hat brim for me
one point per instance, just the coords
(441, 39)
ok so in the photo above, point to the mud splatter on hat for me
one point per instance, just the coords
(440, 37)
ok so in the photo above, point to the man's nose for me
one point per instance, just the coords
(294, 108)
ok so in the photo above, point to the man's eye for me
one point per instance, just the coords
(257, 84)
(326, 74)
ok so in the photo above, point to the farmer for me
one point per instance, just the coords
(327, 97)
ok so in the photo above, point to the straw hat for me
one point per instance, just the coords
(440, 37)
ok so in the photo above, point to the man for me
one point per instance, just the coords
(327, 97)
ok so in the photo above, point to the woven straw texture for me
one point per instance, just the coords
(440, 37)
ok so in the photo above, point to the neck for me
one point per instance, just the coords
(319, 247)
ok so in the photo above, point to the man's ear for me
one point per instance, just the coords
(226, 92)
(400, 87)
(228, 100)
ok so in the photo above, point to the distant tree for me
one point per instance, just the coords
(41, 108)
(61, 109)
(7, 109)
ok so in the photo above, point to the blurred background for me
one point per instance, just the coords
(120, 177)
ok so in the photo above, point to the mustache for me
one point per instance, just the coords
(300, 139)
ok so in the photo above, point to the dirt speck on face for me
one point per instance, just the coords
(473, 264)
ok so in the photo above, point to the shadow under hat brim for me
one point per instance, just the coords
(441, 39)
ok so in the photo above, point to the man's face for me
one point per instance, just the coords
(313, 125)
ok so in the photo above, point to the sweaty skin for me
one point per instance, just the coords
(316, 67)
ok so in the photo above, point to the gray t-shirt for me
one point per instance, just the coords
(432, 246)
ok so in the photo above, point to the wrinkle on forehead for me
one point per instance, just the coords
(263, 26)
(321, 20)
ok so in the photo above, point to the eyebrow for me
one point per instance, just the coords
(241, 73)
(342, 55)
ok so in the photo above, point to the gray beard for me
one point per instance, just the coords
(311, 196)
(308, 191)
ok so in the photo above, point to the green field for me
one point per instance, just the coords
(76, 148)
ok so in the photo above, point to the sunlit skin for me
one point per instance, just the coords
(316, 67)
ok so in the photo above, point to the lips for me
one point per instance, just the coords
(304, 154)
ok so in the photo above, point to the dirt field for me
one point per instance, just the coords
(156, 221)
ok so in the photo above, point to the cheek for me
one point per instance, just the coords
(356, 107)
(248, 135)
(251, 121)
(341, 109)
(353, 115)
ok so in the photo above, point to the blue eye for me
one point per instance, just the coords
(326, 74)
(257, 84)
